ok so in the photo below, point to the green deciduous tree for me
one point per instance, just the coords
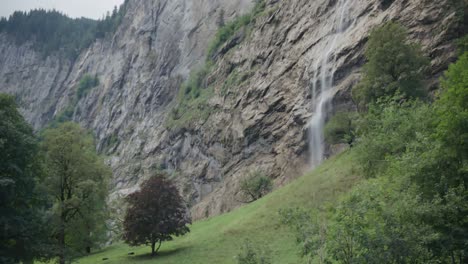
(76, 180)
(22, 236)
(155, 214)
(380, 221)
(387, 129)
(394, 65)
(452, 108)
(256, 185)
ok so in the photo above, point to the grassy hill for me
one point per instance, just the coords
(219, 239)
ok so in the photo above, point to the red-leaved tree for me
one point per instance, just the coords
(155, 214)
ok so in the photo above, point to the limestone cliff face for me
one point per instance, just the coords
(259, 122)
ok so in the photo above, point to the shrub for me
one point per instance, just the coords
(341, 128)
(251, 254)
(86, 83)
(229, 29)
(256, 185)
(386, 131)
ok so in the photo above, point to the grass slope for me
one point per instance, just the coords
(218, 240)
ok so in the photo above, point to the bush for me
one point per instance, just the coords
(87, 82)
(394, 66)
(387, 131)
(256, 185)
(251, 254)
(310, 229)
(341, 128)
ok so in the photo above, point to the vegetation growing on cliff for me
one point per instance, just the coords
(192, 101)
(394, 67)
(86, 83)
(226, 31)
(255, 186)
(52, 31)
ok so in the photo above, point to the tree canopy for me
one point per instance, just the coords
(394, 66)
(21, 220)
(76, 181)
(155, 214)
(52, 31)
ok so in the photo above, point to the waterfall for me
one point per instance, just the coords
(321, 98)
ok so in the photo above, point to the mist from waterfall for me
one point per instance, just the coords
(323, 94)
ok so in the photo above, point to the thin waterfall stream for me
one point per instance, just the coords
(323, 94)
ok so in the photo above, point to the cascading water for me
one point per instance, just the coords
(324, 74)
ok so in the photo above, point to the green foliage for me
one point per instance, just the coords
(230, 28)
(52, 31)
(379, 223)
(155, 214)
(76, 181)
(256, 185)
(461, 9)
(311, 231)
(387, 129)
(250, 254)
(192, 101)
(217, 239)
(341, 128)
(462, 45)
(235, 78)
(22, 222)
(393, 67)
(452, 107)
(414, 209)
(87, 82)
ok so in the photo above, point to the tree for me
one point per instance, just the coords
(21, 220)
(256, 185)
(387, 130)
(155, 214)
(394, 66)
(452, 108)
(76, 180)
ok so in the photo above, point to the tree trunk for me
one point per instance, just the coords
(62, 245)
(61, 235)
(155, 250)
(153, 244)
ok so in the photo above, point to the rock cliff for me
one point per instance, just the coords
(261, 84)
